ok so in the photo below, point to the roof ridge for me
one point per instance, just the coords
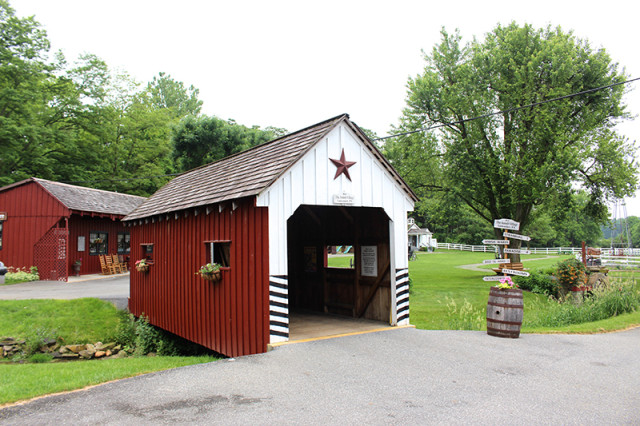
(36, 179)
(262, 145)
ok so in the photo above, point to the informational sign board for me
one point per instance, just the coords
(344, 199)
(515, 272)
(506, 224)
(496, 242)
(516, 236)
(517, 251)
(496, 261)
(369, 261)
(81, 243)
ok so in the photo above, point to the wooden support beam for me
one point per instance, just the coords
(373, 290)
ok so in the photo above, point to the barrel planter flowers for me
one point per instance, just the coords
(505, 309)
(210, 272)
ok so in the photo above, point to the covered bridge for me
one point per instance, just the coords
(267, 215)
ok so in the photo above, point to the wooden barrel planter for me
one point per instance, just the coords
(504, 312)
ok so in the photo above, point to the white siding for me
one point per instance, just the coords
(311, 181)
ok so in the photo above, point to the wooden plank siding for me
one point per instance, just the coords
(230, 317)
(31, 212)
(83, 226)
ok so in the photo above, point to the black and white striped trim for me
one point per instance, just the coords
(278, 308)
(402, 296)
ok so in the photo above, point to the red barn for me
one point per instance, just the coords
(267, 215)
(51, 225)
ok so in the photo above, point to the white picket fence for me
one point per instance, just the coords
(493, 249)
(619, 258)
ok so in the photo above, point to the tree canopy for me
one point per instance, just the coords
(532, 153)
(82, 123)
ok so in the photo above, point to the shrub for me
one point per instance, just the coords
(464, 317)
(602, 304)
(570, 273)
(18, 275)
(37, 338)
(126, 330)
(40, 358)
(147, 337)
(144, 338)
(538, 282)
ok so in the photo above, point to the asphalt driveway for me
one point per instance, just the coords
(111, 288)
(400, 376)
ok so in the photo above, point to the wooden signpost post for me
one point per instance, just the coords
(511, 225)
(504, 308)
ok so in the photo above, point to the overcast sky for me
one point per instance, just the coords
(294, 63)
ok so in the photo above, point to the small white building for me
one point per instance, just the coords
(419, 237)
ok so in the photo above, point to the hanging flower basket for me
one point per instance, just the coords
(212, 276)
(210, 272)
(142, 265)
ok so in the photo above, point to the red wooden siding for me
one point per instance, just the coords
(84, 225)
(31, 212)
(231, 316)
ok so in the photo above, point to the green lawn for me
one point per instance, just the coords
(24, 381)
(439, 286)
(72, 321)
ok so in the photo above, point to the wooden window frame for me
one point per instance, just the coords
(104, 242)
(128, 243)
(223, 257)
(146, 253)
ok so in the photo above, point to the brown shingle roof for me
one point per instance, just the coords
(241, 175)
(87, 199)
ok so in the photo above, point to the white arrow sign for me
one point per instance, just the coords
(517, 251)
(496, 242)
(514, 272)
(494, 278)
(497, 261)
(506, 224)
(516, 236)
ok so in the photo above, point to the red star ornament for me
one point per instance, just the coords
(342, 166)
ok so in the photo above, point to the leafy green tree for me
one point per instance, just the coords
(504, 165)
(165, 92)
(24, 77)
(202, 140)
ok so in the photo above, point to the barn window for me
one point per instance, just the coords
(147, 251)
(124, 243)
(219, 252)
(98, 242)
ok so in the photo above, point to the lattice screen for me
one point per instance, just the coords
(50, 255)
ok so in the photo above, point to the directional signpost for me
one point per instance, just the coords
(506, 224)
(512, 225)
(517, 251)
(496, 261)
(515, 272)
(516, 236)
(496, 242)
